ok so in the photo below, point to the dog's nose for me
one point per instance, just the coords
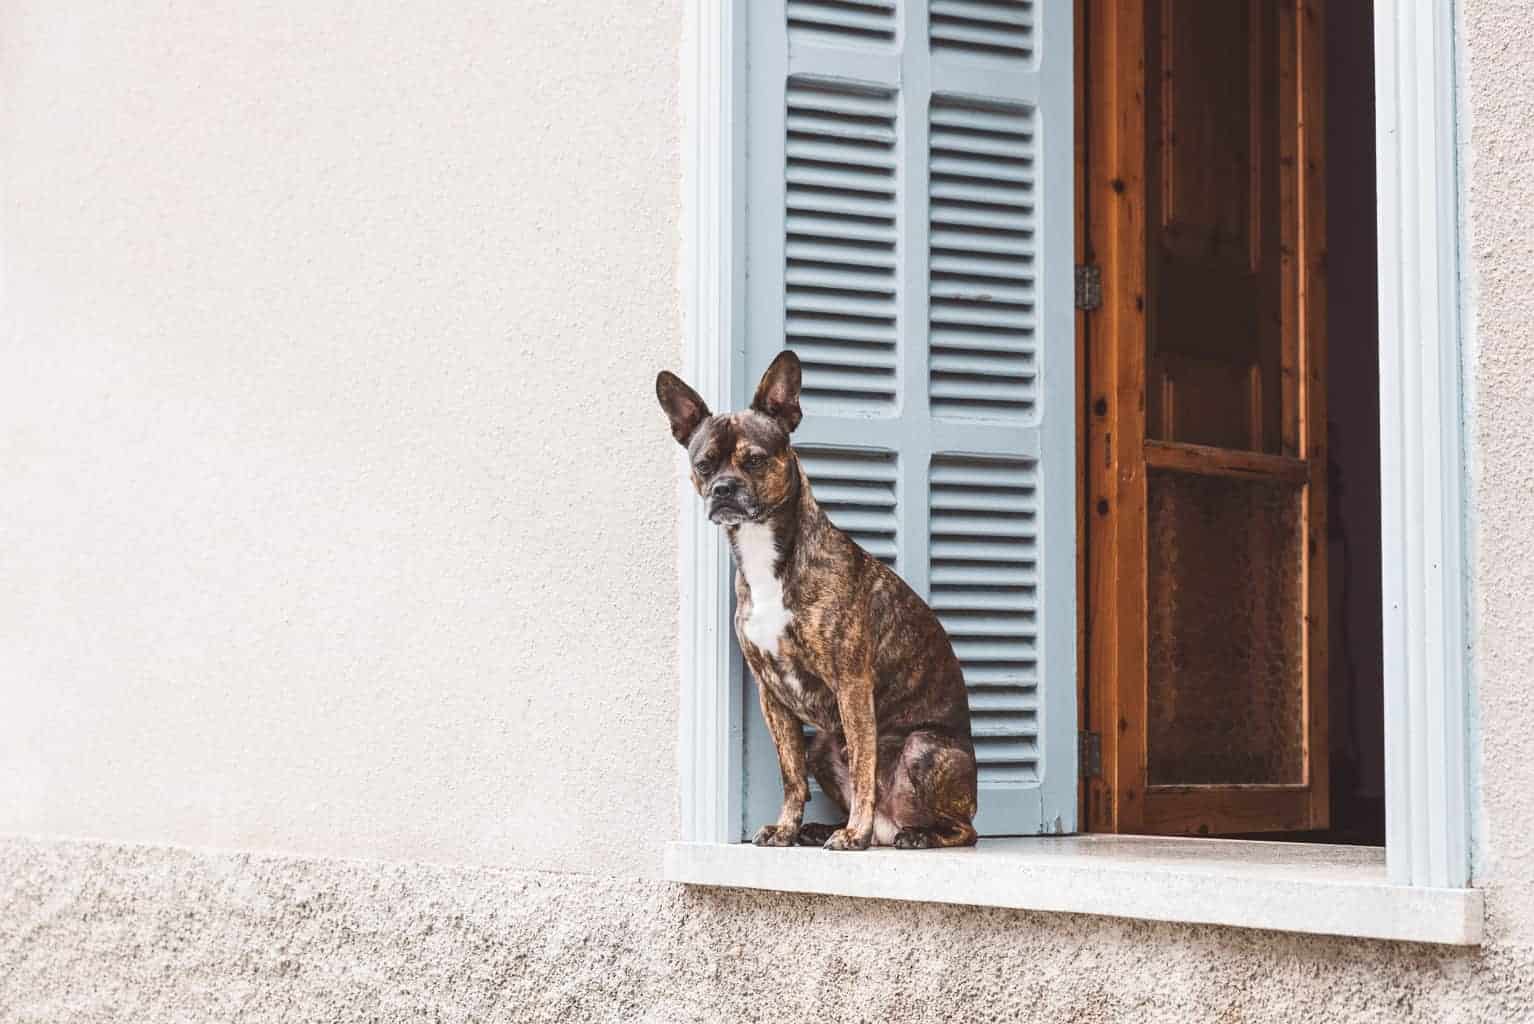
(725, 488)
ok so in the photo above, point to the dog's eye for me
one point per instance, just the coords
(704, 467)
(755, 461)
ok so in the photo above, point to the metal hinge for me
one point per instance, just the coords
(1089, 286)
(1091, 746)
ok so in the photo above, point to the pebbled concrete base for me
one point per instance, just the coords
(97, 932)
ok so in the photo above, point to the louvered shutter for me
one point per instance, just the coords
(909, 202)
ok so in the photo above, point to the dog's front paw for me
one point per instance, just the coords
(775, 835)
(846, 839)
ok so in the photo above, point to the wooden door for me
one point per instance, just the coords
(1206, 441)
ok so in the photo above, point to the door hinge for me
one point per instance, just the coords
(1091, 746)
(1089, 287)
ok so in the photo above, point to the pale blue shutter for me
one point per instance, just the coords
(909, 233)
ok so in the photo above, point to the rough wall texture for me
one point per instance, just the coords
(1499, 256)
(100, 933)
(337, 505)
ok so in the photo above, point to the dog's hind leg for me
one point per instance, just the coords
(934, 799)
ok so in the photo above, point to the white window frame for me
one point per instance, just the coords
(1422, 482)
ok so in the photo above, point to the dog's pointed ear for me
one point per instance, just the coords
(778, 393)
(684, 406)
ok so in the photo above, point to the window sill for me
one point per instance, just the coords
(1325, 890)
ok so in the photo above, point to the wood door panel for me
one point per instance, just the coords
(1209, 403)
(1207, 129)
(1224, 810)
(1225, 646)
(1206, 436)
(1212, 99)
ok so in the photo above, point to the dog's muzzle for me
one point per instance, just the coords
(727, 512)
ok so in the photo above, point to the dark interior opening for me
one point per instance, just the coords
(1356, 655)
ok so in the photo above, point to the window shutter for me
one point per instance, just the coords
(909, 209)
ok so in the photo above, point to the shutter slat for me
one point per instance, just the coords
(865, 380)
(1009, 243)
(983, 574)
(859, 20)
(854, 208)
(986, 29)
(862, 520)
(978, 118)
(973, 474)
(846, 277)
(984, 678)
(963, 144)
(982, 338)
(839, 493)
(845, 149)
(972, 388)
(983, 290)
(1019, 699)
(1007, 12)
(968, 500)
(970, 191)
(811, 327)
(807, 300)
(975, 599)
(1002, 523)
(1014, 365)
(838, 249)
(867, 181)
(981, 168)
(814, 122)
(962, 627)
(959, 226)
(987, 37)
(977, 264)
(835, 353)
(959, 550)
(998, 651)
(851, 466)
(956, 312)
(873, 104)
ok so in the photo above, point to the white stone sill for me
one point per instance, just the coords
(1291, 887)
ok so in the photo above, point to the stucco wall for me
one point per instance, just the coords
(338, 515)
(1497, 68)
(338, 521)
(150, 935)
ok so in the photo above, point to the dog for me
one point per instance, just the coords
(833, 636)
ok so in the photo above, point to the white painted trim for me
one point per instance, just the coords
(713, 67)
(1292, 887)
(1421, 449)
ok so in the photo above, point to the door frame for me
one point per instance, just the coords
(1427, 684)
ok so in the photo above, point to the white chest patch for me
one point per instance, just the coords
(758, 555)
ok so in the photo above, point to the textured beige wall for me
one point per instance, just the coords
(1497, 69)
(150, 935)
(338, 516)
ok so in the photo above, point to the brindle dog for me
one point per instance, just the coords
(834, 637)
